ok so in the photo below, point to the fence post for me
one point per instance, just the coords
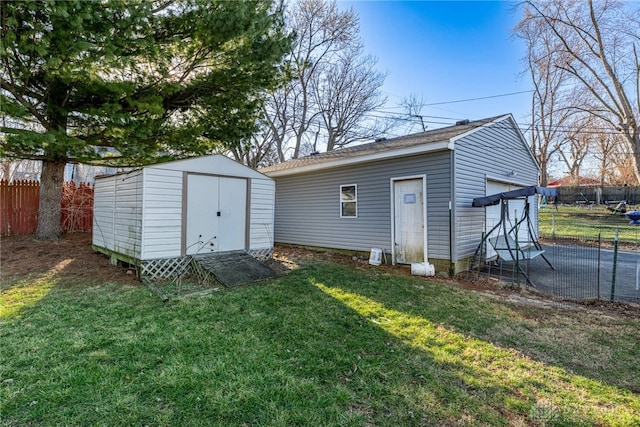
(599, 251)
(5, 206)
(481, 256)
(515, 214)
(615, 262)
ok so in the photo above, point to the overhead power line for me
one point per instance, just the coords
(450, 121)
(478, 99)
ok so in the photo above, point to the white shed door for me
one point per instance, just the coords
(409, 221)
(216, 214)
(233, 214)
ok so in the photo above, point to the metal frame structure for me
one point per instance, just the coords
(515, 252)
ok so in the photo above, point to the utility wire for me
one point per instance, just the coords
(478, 99)
(451, 121)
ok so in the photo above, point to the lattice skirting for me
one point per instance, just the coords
(172, 268)
(261, 254)
(165, 268)
(204, 277)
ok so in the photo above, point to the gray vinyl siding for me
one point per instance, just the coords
(489, 153)
(307, 208)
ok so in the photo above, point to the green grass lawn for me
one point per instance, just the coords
(583, 222)
(326, 345)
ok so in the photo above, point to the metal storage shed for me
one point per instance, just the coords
(171, 211)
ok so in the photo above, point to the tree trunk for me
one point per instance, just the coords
(633, 141)
(50, 210)
(544, 180)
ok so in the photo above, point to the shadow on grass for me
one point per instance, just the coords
(443, 322)
(324, 345)
(597, 346)
(18, 295)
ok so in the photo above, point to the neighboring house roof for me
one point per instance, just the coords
(433, 140)
(569, 181)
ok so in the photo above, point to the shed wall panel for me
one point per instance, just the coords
(128, 214)
(117, 208)
(162, 214)
(103, 211)
(489, 153)
(261, 214)
(307, 210)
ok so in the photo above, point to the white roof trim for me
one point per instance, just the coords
(418, 149)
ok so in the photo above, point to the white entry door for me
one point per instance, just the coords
(409, 221)
(216, 214)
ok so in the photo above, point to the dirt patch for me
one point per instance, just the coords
(71, 258)
(74, 260)
(288, 257)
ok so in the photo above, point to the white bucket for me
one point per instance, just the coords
(375, 258)
(422, 269)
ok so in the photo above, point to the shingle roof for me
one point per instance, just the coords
(388, 145)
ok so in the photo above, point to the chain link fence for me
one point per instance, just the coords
(572, 269)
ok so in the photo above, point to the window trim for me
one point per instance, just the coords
(355, 201)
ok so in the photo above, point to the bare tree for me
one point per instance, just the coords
(256, 152)
(344, 93)
(620, 168)
(599, 45)
(7, 169)
(605, 155)
(575, 147)
(328, 86)
(412, 106)
(604, 151)
(11, 170)
(322, 31)
(549, 101)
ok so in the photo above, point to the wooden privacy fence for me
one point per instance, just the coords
(19, 201)
(19, 206)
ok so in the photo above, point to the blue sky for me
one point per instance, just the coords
(447, 51)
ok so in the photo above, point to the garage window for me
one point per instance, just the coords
(349, 201)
